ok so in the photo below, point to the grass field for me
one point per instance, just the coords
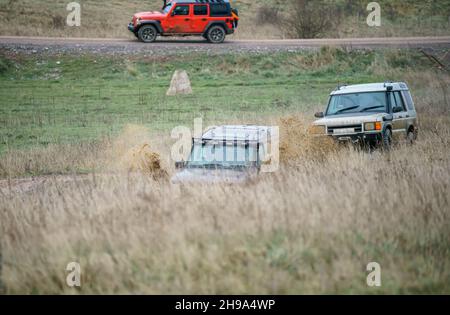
(55, 100)
(61, 99)
(311, 227)
(109, 18)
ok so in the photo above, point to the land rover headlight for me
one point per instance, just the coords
(372, 126)
(138, 21)
(318, 130)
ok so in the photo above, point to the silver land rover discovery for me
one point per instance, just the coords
(374, 114)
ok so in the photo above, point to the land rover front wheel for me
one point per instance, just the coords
(387, 139)
(147, 33)
(216, 34)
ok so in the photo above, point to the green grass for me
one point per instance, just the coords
(65, 99)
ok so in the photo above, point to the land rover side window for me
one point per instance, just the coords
(181, 10)
(409, 101)
(396, 102)
(399, 100)
(200, 10)
(220, 9)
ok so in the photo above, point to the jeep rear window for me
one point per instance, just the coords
(220, 9)
(357, 103)
(200, 10)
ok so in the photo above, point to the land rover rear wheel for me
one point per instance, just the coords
(411, 137)
(147, 33)
(216, 34)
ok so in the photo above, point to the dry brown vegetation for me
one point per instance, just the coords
(312, 227)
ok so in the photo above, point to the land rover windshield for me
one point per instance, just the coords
(357, 103)
(219, 155)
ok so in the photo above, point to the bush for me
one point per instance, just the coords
(58, 22)
(267, 15)
(308, 19)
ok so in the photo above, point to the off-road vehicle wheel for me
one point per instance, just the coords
(387, 139)
(147, 33)
(216, 34)
(411, 137)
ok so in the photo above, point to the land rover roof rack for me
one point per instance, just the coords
(388, 85)
(340, 86)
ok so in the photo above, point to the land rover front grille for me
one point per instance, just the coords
(331, 130)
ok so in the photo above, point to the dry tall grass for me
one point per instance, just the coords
(312, 227)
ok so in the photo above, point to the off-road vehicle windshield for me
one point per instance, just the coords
(167, 8)
(222, 156)
(357, 103)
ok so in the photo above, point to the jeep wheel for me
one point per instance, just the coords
(387, 139)
(216, 34)
(147, 33)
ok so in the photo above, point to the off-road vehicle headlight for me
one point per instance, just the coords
(318, 130)
(372, 126)
(138, 21)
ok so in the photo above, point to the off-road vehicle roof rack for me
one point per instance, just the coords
(339, 86)
(388, 85)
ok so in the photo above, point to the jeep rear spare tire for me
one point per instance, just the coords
(147, 33)
(216, 34)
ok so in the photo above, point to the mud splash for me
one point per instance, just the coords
(298, 143)
(143, 159)
(131, 152)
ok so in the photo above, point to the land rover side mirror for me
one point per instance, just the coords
(319, 115)
(180, 165)
(388, 117)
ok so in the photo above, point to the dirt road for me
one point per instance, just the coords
(177, 45)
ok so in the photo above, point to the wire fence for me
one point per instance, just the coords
(93, 106)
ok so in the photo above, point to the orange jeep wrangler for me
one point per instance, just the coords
(213, 19)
